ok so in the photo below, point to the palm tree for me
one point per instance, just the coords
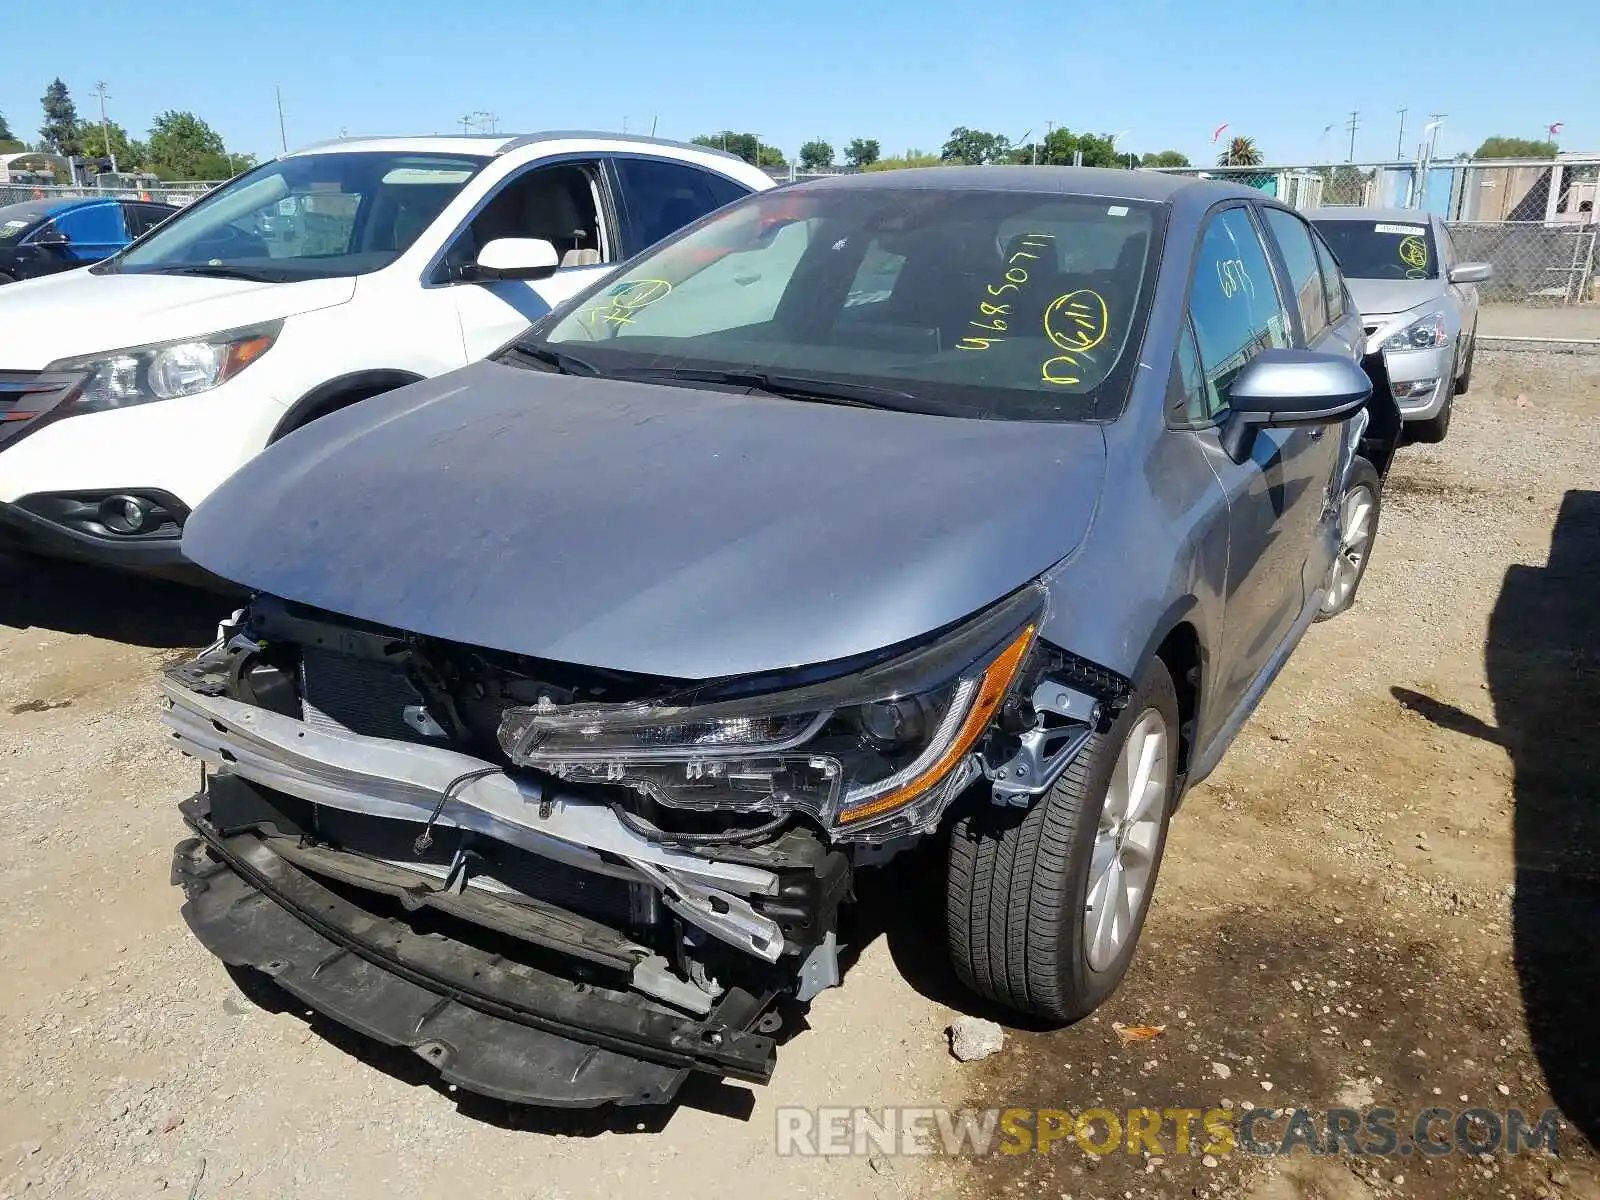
(1241, 152)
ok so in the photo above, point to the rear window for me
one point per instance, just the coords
(1382, 249)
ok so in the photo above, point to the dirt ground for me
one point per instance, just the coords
(1519, 320)
(1386, 895)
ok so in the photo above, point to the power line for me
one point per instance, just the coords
(105, 126)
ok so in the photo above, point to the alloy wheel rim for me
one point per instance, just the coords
(1355, 538)
(1124, 855)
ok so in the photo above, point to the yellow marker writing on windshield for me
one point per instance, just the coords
(629, 298)
(1414, 252)
(1075, 323)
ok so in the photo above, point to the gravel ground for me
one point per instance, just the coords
(1521, 320)
(1386, 894)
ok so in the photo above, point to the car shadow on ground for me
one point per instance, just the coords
(41, 593)
(1543, 664)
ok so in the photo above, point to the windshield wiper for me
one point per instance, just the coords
(216, 271)
(794, 387)
(567, 364)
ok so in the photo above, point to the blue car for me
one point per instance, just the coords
(41, 237)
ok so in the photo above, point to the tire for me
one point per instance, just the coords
(1354, 553)
(1018, 885)
(1464, 381)
(1433, 430)
(5, 279)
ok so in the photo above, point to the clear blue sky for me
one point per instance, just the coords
(902, 71)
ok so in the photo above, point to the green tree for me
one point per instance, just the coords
(129, 154)
(182, 146)
(975, 148)
(1166, 158)
(8, 143)
(60, 132)
(1062, 147)
(815, 155)
(745, 145)
(1511, 147)
(862, 152)
(1241, 152)
(911, 158)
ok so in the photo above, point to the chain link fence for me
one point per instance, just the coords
(162, 193)
(1533, 219)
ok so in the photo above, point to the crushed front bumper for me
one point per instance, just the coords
(496, 1027)
(531, 951)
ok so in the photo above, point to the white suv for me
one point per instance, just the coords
(131, 389)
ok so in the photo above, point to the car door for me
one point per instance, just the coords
(92, 232)
(661, 195)
(1315, 469)
(1236, 311)
(1464, 295)
(568, 203)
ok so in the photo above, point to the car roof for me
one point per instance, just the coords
(489, 147)
(1109, 183)
(1338, 212)
(32, 210)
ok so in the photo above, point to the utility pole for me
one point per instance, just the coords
(283, 137)
(1433, 143)
(105, 127)
(1355, 123)
(1400, 142)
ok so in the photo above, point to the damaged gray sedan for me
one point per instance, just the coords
(972, 507)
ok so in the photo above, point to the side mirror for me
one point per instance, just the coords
(1283, 388)
(1472, 272)
(517, 258)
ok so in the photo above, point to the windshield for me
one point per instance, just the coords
(1381, 249)
(1003, 304)
(312, 216)
(17, 219)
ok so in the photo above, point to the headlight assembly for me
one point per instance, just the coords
(891, 743)
(166, 370)
(1425, 333)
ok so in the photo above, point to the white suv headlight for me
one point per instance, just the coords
(1425, 333)
(165, 370)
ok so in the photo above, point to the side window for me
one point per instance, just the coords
(556, 203)
(1195, 401)
(96, 224)
(1332, 280)
(662, 197)
(1305, 276)
(142, 218)
(1447, 248)
(1233, 302)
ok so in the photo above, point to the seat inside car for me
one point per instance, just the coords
(553, 203)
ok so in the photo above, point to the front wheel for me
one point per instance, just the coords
(1043, 907)
(1358, 526)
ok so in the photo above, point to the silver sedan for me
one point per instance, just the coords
(1418, 302)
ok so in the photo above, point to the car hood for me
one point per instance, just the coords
(79, 313)
(665, 530)
(1381, 297)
